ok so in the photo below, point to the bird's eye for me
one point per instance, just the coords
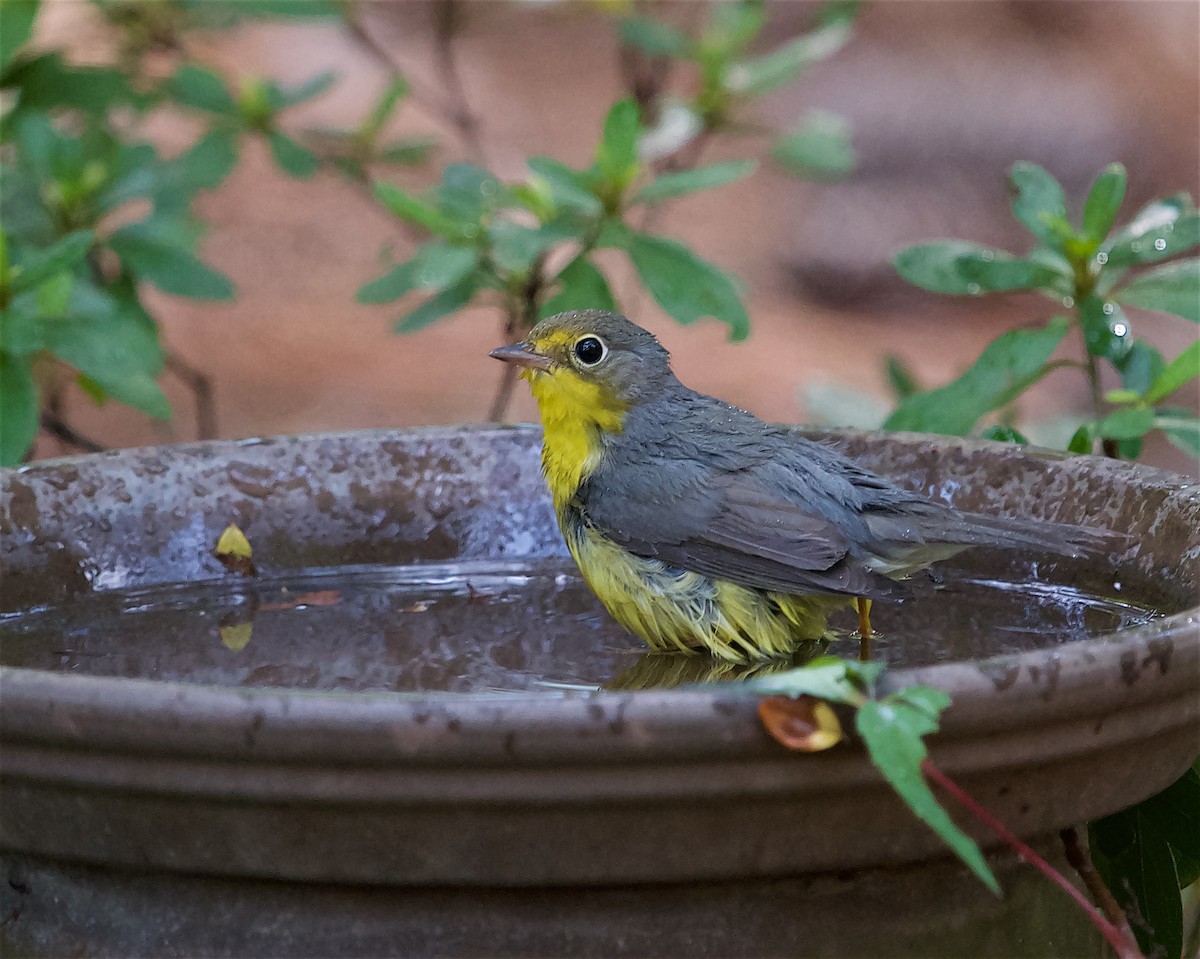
(590, 350)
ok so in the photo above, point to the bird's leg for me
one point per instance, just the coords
(865, 633)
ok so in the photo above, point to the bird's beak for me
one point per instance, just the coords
(521, 354)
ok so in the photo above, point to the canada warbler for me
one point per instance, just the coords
(699, 526)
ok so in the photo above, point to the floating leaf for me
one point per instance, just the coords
(1170, 288)
(684, 285)
(1007, 366)
(671, 185)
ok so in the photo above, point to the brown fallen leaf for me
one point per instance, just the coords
(233, 550)
(805, 723)
(320, 597)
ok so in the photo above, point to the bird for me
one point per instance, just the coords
(701, 528)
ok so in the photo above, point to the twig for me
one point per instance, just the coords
(64, 433)
(1080, 858)
(201, 386)
(1122, 942)
(461, 115)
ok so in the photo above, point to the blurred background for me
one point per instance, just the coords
(936, 100)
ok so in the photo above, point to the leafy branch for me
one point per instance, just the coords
(796, 712)
(1095, 271)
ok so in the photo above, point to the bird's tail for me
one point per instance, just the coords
(1062, 539)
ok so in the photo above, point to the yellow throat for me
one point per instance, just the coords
(576, 416)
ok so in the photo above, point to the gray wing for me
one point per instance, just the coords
(728, 524)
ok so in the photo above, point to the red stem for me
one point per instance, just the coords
(1123, 945)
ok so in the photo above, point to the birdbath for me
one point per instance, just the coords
(414, 730)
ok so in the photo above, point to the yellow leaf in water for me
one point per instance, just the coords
(233, 542)
(233, 550)
(237, 636)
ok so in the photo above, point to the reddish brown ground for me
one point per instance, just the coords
(943, 97)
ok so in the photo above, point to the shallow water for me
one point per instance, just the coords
(490, 626)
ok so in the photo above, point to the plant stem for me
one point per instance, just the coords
(463, 118)
(65, 433)
(1122, 942)
(201, 386)
(1080, 858)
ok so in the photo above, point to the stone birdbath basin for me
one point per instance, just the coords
(415, 732)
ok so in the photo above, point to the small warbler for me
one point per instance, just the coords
(700, 527)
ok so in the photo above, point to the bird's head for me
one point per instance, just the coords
(590, 364)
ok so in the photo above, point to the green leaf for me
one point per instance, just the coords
(1170, 237)
(1127, 424)
(292, 158)
(193, 86)
(1182, 431)
(653, 37)
(210, 160)
(158, 250)
(448, 301)
(1007, 366)
(901, 379)
(616, 156)
(893, 731)
(1103, 202)
(16, 25)
(1184, 368)
(733, 25)
(763, 74)
(385, 106)
(1082, 441)
(1136, 862)
(515, 247)
(819, 148)
(47, 82)
(671, 185)
(1171, 288)
(282, 97)
(117, 347)
(835, 680)
(467, 194)
(434, 266)
(18, 406)
(684, 285)
(962, 268)
(43, 264)
(407, 152)
(581, 287)
(1105, 328)
(568, 188)
(1037, 201)
(1005, 434)
(1140, 367)
(285, 9)
(418, 212)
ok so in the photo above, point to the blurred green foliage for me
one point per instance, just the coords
(1095, 270)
